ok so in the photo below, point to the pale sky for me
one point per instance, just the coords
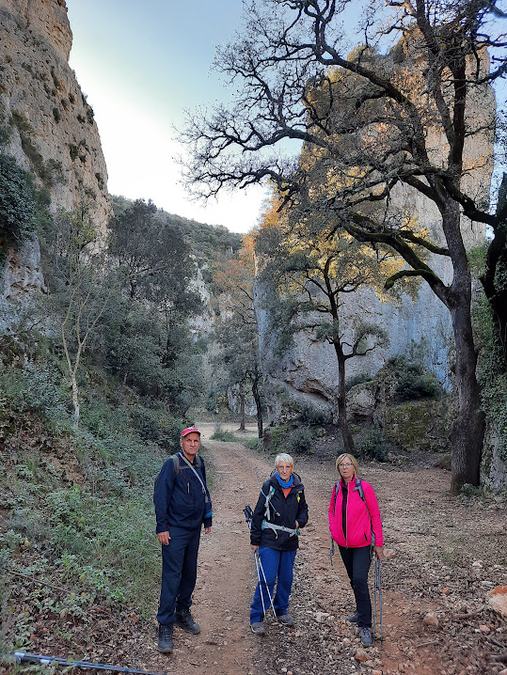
(142, 63)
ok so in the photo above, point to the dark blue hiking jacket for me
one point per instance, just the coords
(282, 511)
(178, 497)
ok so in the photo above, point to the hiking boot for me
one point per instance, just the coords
(257, 628)
(365, 636)
(286, 619)
(165, 638)
(184, 620)
(353, 618)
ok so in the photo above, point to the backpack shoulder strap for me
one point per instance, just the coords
(359, 488)
(176, 463)
(335, 490)
(267, 491)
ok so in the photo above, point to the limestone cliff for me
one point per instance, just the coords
(417, 327)
(46, 124)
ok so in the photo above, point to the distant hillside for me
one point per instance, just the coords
(207, 242)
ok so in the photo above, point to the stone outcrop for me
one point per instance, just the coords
(46, 124)
(418, 327)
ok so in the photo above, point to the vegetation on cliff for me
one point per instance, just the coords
(369, 123)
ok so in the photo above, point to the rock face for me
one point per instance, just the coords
(418, 327)
(46, 124)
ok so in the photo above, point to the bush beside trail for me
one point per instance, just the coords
(76, 516)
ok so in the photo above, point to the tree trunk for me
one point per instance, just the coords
(493, 279)
(241, 409)
(348, 441)
(75, 399)
(258, 405)
(467, 433)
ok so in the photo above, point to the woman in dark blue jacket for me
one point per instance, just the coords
(280, 512)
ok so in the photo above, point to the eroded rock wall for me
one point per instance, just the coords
(47, 125)
(418, 327)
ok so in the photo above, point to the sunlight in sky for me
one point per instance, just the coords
(142, 64)
(140, 154)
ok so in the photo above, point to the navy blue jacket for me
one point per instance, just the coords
(282, 511)
(179, 499)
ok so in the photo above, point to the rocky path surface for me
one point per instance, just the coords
(447, 554)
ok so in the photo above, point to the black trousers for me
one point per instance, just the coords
(357, 563)
(179, 573)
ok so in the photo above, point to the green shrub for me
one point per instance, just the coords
(17, 200)
(36, 389)
(223, 435)
(374, 445)
(310, 416)
(299, 441)
(252, 443)
(103, 420)
(154, 424)
(304, 414)
(412, 382)
(360, 378)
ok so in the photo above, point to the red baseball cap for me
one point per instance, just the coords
(189, 430)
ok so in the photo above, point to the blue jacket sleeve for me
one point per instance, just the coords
(207, 520)
(164, 484)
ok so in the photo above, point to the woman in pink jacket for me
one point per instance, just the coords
(355, 525)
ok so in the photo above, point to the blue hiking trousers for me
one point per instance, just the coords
(179, 573)
(278, 567)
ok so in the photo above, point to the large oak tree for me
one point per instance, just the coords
(393, 118)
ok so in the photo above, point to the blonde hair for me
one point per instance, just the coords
(283, 457)
(353, 461)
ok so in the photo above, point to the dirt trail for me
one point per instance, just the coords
(225, 578)
(441, 564)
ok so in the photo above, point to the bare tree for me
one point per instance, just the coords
(318, 271)
(374, 127)
(236, 331)
(79, 287)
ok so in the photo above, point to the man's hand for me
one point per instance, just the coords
(379, 552)
(255, 547)
(207, 530)
(164, 538)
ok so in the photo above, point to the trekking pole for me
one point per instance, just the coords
(377, 591)
(331, 551)
(378, 584)
(26, 657)
(266, 584)
(248, 513)
(260, 584)
(374, 626)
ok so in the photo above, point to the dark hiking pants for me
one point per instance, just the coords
(357, 563)
(179, 573)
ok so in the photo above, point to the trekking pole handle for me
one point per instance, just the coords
(26, 657)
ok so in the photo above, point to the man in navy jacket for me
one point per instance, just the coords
(182, 507)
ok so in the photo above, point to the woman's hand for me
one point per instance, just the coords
(379, 552)
(255, 547)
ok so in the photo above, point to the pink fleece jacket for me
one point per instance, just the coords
(361, 517)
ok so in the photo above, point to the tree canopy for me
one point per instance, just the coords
(401, 119)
